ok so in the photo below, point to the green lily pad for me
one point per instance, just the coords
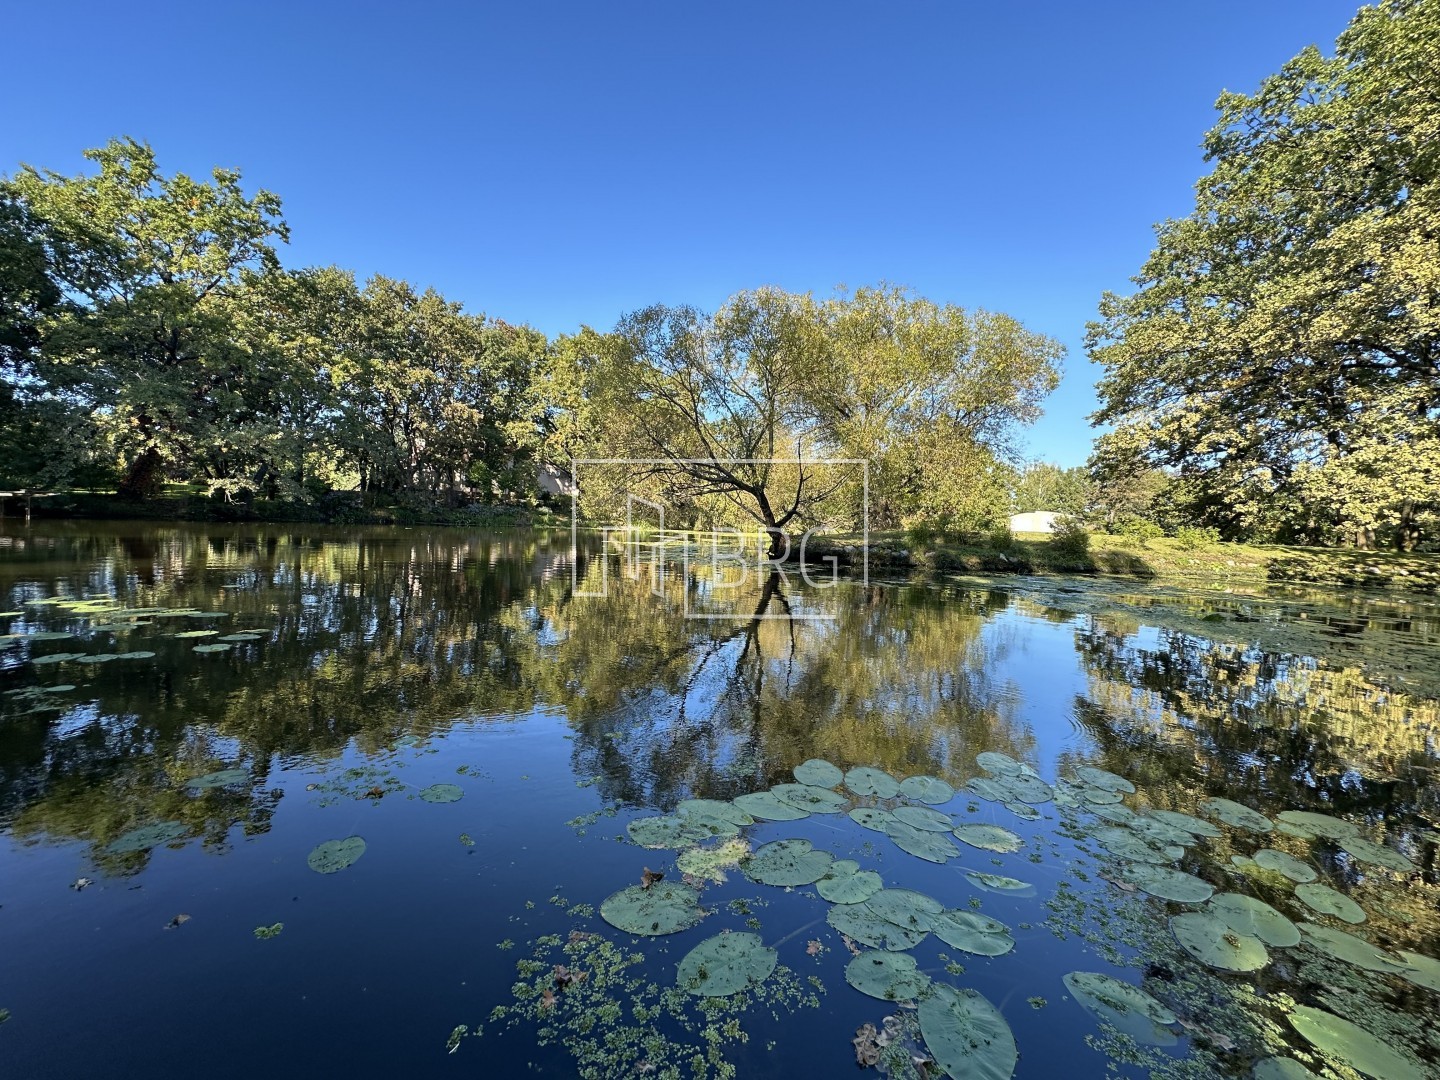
(1160, 832)
(1024, 811)
(1000, 883)
(926, 789)
(48, 635)
(889, 976)
(1236, 814)
(98, 658)
(787, 863)
(983, 787)
(1284, 863)
(195, 633)
(1125, 1007)
(207, 614)
(1421, 970)
(972, 932)
(1353, 1045)
(1278, 1068)
(808, 797)
(335, 855)
(933, 847)
(1026, 788)
(714, 811)
(867, 782)
(998, 764)
(1106, 781)
(1254, 918)
(1317, 825)
(905, 907)
(1124, 844)
(665, 831)
(988, 837)
(859, 922)
(966, 1035)
(1119, 813)
(56, 658)
(216, 648)
(443, 793)
(1327, 901)
(765, 806)
(818, 773)
(146, 837)
(220, 778)
(726, 964)
(924, 817)
(241, 637)
(1168, 883)
(1098, 796)
(1351, 949)
(136, 654)
(666, 907)
(872, 817)
(1187, 822)
(1210, 941)
(1373, 854)
(845, 883)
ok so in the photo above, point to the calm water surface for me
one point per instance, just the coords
(373, 665)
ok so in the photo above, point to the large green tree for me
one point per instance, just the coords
(1282, 352)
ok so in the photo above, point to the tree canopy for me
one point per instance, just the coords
(1282, 352)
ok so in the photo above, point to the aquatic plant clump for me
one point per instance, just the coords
(726, 964)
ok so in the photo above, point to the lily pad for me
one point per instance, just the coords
(443, 793)
(335, 855)
(1125, 1007)
(872, 817)
(808, 797)
(1106, 781)
(666, 907)
(1313, 824)
(1353, 1045)
(859, 922)
(889, 976)
(967, 1035)
(218, 647)
(1327, 901)
(1124, 844)
(1278, 1068)
(1237, 814)
(1098, 796)
(787, 863)
(972, 932)
(905, 907)
(56, 657)
(818, 773)
(1024, 811)
(195, 633)
(924, 817)
(1284, 863)
(146, 837)
(765, 806)
(926, 789)
(998, 764)
(1351, 949)
(933, 847)
(136, 654)
(1373, 854)
(220, 778)
(726, 964)
(1168, 883)
(1186, 822)
(845, 883)
(98, 658)
(665, 831)
(1254, 918)
(1026, 788)
(867, 782)
(1000, 883)
(714, 811)
(990, 790)
(1212, 942)
(1421, 970)
(988, 837)
(1160, 832)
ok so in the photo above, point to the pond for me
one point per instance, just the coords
(307, 802)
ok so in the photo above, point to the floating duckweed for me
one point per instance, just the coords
(818, 773)
(1000, 883)
(1212, 942)
(726, 964)
(1236, 814)
(845, 883)
(924, 817)
(1373, 854)
(146, 837)
(666, 907)
(335, 855)
(1127, 1008)
(1168, 883)
(1327, 901)
(935, 847)
(1254, 918)
(1351, 949)
(1353, 1045)
(220, 778)
(889, 976)
(1106, 781)
(926, 789)
(443, 793)
(972, 932)
(765, 806)
(1284, 863)
(967, 1035)
(860, 922)
(866, 782)
(808, 797)
(787, 863)
(988, 837)
(872, 817)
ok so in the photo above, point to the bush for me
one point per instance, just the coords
(920, 536)
(1000, 538)
(1139, 529)
(1191, 537)
(1070, 537)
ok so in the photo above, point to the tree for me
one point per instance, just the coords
(1283, 347)
(149, 261)
(1043, 486)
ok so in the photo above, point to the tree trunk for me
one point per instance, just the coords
(1408, 534)
(143, 478)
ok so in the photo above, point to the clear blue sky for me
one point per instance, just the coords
(561, 163)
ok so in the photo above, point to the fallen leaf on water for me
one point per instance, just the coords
(564, 977)
(850, 944)
(547, 999)
(650, 877)
(81, 883)
(178, 920)
(814, 948)
(867, 1050)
